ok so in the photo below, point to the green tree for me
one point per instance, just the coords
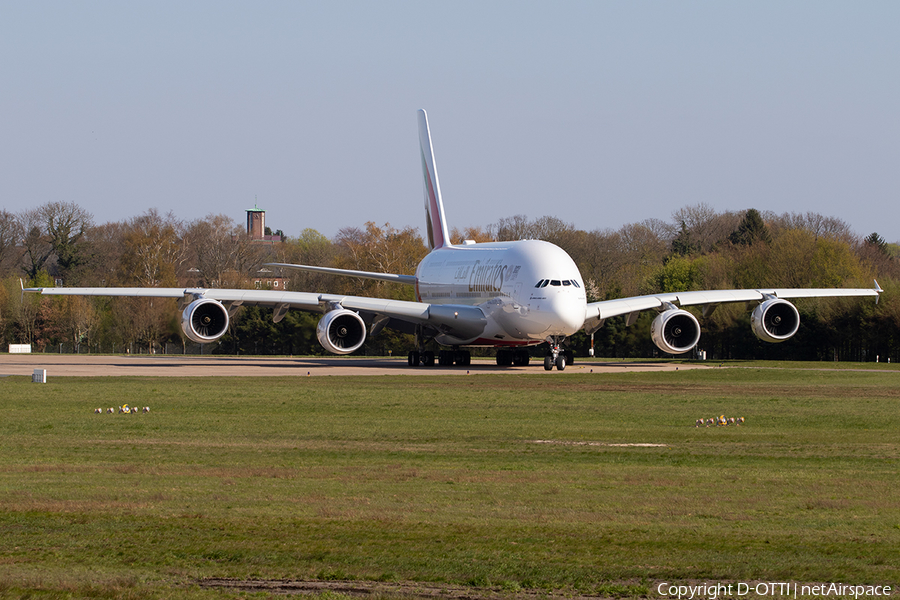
(751, 229)
(683, 244)
(309, 248)
(36, 247)
(876, 241)
(66, 224)
(679, 274)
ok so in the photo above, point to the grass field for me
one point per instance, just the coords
(505, 482)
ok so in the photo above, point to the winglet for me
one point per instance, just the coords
(434, 208)
(878, 291)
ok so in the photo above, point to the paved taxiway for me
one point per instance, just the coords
(92, 365)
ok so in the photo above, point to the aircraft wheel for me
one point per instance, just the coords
(413, 359)
(521, 358)
(428, 358)
(561, 362)
(548, 363)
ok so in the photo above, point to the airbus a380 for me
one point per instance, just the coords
(508, 295)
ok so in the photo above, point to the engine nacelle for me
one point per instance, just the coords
(341, 331)
(204, 320)
(675, 331)
(775, 320)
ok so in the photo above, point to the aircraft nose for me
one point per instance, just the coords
(568, 312)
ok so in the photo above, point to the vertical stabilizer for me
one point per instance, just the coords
(434, 207)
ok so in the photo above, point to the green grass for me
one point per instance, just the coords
(440, 479)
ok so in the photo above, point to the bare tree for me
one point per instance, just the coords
(705, 227)
(645, 241)
(107, 244)
(146, 321)
(154, 249)
(35, 242)
(222, 252)
(76, 318)
(551, 229)
(27, 314)
(818, 225)
(476, 234)
(600, 260)
(547, 228)
(10, 237)
(383, 250)
(513, 228)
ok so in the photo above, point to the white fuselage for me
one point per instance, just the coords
(502, 278)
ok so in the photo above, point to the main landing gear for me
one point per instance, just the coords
(425, 359)
(513, 358)
(448, 358)
(421, 356)
(445, 358)
(506, 357)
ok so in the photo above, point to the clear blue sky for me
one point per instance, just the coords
(599, 113)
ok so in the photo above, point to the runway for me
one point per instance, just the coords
(92, 365)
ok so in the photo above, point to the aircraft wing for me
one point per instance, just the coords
(298, 300)
(457, 320)
(598, 311)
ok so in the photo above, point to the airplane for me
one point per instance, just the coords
(505, 295)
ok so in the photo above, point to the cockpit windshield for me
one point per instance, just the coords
(556, 283)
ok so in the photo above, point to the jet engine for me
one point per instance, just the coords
(775, 320)
(341, 331)
(204, 320)
(675, 331)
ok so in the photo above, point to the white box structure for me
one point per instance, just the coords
(20, 348)
(40, 376)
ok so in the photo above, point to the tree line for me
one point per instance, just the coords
(698, 248)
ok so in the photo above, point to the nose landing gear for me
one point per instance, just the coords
(557, 356)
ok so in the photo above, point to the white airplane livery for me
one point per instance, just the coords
(508, 295)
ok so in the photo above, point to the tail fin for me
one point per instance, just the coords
(434, 207)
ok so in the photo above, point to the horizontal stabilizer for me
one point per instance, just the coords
(407, 279)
